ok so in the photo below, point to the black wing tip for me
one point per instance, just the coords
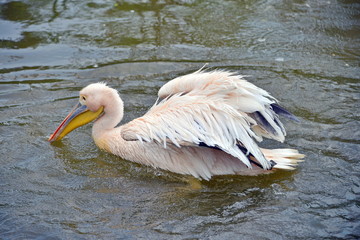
(283, 112)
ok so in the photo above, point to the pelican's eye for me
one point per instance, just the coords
(82, 99)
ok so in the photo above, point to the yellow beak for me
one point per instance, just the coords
(79, 116)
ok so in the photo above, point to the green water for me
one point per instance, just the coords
(306, 53)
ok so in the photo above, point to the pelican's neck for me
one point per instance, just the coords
(113, 114)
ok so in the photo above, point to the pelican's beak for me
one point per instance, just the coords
(79, 116)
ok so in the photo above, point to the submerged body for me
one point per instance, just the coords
(204, 126)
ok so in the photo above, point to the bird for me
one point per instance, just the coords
(203, 124)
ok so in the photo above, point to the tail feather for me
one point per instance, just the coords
(284, 158)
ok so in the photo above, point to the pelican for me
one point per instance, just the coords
(203, 124)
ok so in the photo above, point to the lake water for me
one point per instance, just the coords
(306, 53)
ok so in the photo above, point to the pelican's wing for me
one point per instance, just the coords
(215, 109)
(237, 92)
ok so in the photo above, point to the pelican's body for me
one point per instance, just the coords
(204, 126)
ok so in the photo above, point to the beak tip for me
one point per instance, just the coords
(51, 139)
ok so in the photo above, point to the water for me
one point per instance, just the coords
(306, 53)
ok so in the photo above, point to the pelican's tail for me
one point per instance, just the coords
(284, 158)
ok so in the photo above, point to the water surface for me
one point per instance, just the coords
(306, 53)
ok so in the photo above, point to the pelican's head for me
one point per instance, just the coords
(92, 102)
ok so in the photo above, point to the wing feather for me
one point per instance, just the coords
(218, 109)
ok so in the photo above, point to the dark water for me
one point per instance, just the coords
(306, 53)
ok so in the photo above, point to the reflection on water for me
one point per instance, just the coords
(304, 52)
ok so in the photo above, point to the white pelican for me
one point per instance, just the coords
(205, 125)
